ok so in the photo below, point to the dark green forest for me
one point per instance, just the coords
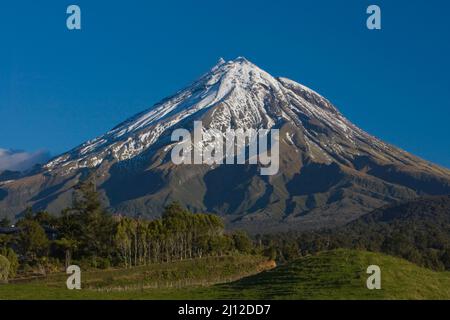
(418, 231)
(88, 235)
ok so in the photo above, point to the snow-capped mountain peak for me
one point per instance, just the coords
(233, 94)
(235, 85)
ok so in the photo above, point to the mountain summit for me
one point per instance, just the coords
(331, 171)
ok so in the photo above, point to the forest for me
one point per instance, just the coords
(417, 230)
(88, 235)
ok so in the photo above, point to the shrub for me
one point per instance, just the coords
(242, 241)
(103, 263)
(9, 254)
(4, 269)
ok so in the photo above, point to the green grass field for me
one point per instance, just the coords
(339, 274)
(157, 281)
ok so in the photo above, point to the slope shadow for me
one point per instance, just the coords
(3, 194)
(418, 181)
(227, 185)
(49, 191)
(315, 178)
(42, 204)
(123, 186)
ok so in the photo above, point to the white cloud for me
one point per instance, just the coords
(20, 160)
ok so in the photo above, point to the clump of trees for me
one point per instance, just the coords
(13, 260)
(87, 234)
(178, 235)
(4, 269)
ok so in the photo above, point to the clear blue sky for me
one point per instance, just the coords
(59, 88)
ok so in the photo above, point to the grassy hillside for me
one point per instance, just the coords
(339, 274)
(156, 281)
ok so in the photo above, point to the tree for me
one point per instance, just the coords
(4, 269)
(446, 259)
(45, 219)
(271, 252)
(93, 226)
(68, 246)
(173, 210)
(123, 241)
(9, 254)
(242, 242)
(5, 240)
(32, 240)
(28, 214)
(5, 223)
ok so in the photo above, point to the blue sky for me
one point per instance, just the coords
(59, 88)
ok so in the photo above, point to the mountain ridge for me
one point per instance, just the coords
(331, 171)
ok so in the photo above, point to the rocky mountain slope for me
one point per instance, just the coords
(331, 171)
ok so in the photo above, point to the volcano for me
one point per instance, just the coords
(330, 171)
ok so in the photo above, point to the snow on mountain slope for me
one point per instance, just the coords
(241, 96)
(237, 84)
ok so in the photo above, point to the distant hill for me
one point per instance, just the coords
(420, 211)
(417, 230)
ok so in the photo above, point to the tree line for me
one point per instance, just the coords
(87, 234)
(418, 231)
